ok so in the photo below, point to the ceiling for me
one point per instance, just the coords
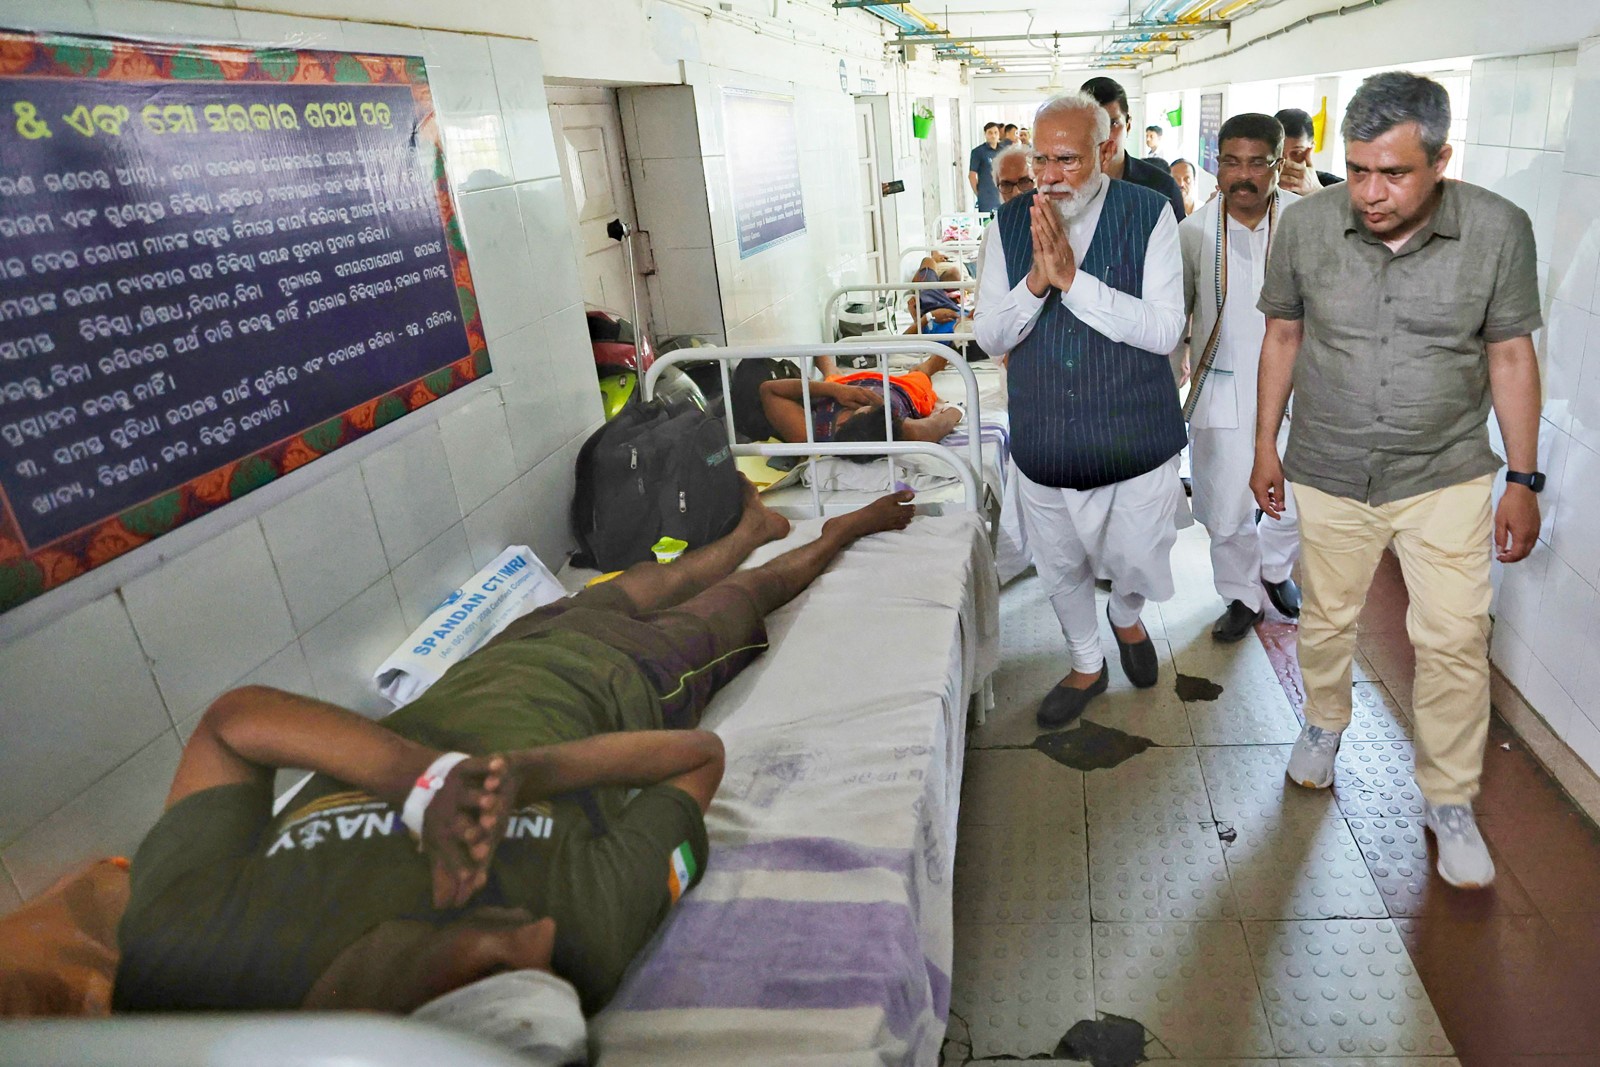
(1114, 47)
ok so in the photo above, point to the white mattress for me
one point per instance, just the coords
(822, 931)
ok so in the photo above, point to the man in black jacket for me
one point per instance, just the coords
(1114, 158)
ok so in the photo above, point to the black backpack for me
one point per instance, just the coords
(749, 417)
(655, 470)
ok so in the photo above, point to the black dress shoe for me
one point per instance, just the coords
(1063, 704)
(1236, 622)
(1285, 596)
(1139, 660)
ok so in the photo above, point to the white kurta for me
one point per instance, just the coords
(1222, 431)
(1123, 531)
(1011, 554)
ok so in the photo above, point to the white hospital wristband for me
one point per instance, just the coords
(427, 787)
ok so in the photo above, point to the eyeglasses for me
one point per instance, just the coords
(1071, 163)
(1256, 165)
(1021, 185)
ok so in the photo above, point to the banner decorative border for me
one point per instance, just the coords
(24, 576)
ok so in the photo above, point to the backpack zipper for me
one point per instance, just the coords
(683, 501)
(633, 459)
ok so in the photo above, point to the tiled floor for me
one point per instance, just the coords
(1242, 920)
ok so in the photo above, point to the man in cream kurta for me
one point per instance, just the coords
(1251, 562)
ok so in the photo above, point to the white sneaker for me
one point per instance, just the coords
(1463, 857)
(1311, 762)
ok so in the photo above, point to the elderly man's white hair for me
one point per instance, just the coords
(1076, 103)
(1022, 151)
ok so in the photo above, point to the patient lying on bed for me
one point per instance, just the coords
(531, 854)
(936, 310)
(849, 407)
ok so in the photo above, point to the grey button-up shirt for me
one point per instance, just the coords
(1391, 387)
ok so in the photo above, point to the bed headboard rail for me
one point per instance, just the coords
(968, 466)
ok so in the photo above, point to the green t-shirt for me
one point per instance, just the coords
(233, 908)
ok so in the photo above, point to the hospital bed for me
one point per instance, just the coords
(828, 485)
(872, 311)
(822, 931)
(962, 252)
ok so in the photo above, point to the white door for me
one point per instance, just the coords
(871, 192)
(594, 170)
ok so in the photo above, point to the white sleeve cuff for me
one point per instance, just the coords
(1086, 291)
(1023, 299)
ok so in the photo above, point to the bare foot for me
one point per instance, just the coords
(892, 512)
(935, 427)
(463, 824)
(1131, 635)
(766, 524)
(1079, 680)
(945, 420)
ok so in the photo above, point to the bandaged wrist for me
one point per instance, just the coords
(425, 789)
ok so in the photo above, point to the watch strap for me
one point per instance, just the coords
(1532, 479)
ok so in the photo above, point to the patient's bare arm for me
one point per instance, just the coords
(249, 733)
(691, 760)
(783, 402)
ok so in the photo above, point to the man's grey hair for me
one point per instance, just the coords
(1395, 98)
(1074, 104)
(1009, 152)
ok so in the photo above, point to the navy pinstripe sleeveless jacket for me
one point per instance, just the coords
(1087, 411)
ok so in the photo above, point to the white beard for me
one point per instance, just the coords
(1077, 200)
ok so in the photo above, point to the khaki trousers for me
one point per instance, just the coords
(1442, 540)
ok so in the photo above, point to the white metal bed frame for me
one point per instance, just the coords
(968, 467)
(955, 251)
(830, 307)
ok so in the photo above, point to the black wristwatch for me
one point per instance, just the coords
(1534, 481)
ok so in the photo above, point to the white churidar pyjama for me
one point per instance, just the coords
(1124, 531)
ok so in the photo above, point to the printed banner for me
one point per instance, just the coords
(216, 265)
(763, 168)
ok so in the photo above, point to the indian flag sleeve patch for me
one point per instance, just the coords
(681, 871)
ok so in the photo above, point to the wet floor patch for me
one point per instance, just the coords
(1191, 687)
(1109, 1041)
(1090, 746)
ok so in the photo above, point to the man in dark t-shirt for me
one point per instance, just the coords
(980, 169)
(487, 826)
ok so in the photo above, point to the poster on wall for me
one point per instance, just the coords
(1210, 130)
(216, 265)
(763, 168)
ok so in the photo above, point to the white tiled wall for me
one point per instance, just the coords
(1534, 136)
(777, 294)
(311, 594)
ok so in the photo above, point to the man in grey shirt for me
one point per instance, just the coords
(1399, 305)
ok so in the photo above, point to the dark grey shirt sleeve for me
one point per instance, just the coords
(1280, 289)
(1514, 306)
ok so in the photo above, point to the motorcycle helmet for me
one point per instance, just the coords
(674, 388)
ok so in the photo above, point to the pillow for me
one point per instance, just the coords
(58, 953)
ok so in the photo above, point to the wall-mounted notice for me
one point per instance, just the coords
(1210, 130)
(216, 265)
(763, 168)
